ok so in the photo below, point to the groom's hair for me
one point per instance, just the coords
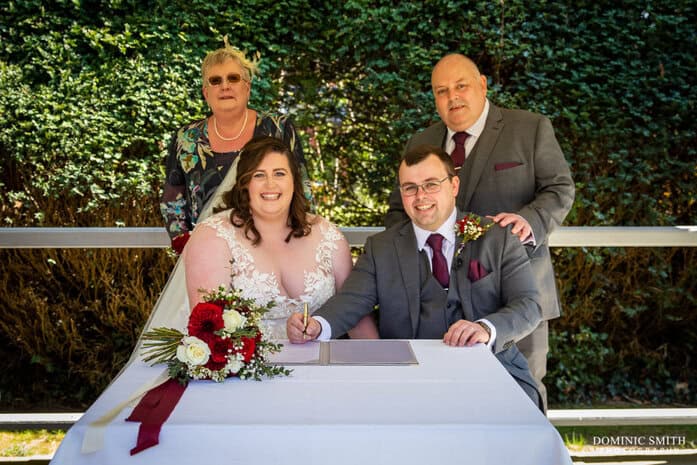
(421, 152)
(237, 199)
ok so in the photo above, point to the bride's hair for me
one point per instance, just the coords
(237, 199)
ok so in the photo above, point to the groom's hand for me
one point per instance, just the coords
(296, 331)
(464, 332)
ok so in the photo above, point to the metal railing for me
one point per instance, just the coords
(558, 417)
(152, 237)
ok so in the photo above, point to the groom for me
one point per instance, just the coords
(425, 287)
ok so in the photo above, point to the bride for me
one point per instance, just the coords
(264, 242)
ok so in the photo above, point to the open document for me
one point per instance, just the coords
(346, 352)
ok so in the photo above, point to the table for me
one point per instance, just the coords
(458, 405)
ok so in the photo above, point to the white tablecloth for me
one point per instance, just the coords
(458, 405)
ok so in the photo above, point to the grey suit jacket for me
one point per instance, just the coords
(516, 166)
(394, 276)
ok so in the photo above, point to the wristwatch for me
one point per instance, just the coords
(486, 328)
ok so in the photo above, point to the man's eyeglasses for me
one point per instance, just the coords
(429, 187)
(232, 78)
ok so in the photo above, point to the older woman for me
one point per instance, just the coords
(267, 244)
(201, 152)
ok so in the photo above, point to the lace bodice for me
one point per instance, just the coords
(263, 285)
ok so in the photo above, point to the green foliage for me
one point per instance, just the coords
(573, 375)
(91, 91)
(628, 328)
(66, 346)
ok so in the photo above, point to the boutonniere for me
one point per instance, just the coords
(469, 228)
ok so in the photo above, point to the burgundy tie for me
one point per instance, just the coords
(458, 154)
(439, 264)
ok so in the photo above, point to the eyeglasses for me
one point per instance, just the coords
(429, 187)
(232, 78)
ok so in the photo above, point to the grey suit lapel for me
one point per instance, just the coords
(443, 129)
(460, 285)
(473, 168)
(408, 258)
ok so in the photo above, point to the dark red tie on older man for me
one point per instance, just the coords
(458, 153)
(439, 265)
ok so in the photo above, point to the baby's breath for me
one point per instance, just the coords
(469, 228)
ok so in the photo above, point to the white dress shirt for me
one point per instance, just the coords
(447, 230)
(474, 132)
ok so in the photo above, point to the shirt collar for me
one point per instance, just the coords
(447, 230)
(478, 127)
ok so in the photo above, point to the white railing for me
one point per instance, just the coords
(156, 237)
(558, 417)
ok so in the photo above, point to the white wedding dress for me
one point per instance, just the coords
(263, 285)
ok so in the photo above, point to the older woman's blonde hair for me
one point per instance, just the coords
(228, 52)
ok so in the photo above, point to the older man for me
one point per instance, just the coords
(510, 167)
(433, 282)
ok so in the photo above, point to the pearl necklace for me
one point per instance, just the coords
(244, 125)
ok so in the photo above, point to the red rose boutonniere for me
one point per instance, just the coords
(469, 228)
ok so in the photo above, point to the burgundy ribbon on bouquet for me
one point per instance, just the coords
(153, 410)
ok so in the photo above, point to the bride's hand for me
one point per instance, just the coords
(295, 327)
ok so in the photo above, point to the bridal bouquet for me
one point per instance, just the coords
(223, 339)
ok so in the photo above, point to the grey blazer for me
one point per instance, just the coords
(516, 166)
(394, 276)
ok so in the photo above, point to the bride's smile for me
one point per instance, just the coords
(271, 187)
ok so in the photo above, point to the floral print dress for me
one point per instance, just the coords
(194, 171)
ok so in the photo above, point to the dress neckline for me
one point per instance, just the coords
(270, 275)
(231, 152)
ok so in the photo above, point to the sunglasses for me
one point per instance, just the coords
(232, 78)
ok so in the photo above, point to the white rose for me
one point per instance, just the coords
(234, 365)
(233, 320)
(193, 351)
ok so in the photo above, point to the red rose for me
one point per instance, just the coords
(180, 241)
(249, 345)
(461, 224)
(205, 319)
(219, 351)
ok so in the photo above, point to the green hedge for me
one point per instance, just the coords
(90, 92)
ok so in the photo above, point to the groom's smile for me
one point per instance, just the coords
(434, 199)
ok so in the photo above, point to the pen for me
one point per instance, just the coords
(305, 317)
